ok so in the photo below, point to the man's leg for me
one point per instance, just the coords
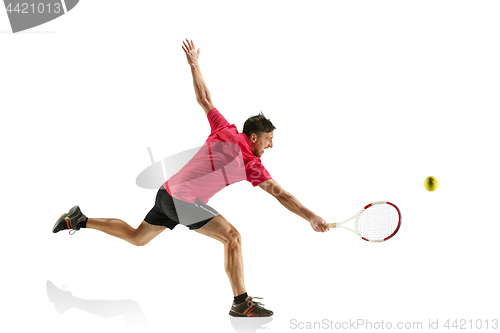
(219, 228)
(118, 228)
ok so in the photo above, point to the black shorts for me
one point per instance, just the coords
(169, 212)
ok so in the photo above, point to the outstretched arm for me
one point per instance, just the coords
(293, 205)
(200, 88)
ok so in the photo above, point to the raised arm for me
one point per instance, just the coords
(293, 205)
(200, 88)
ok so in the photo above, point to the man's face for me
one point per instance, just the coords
(258, 144)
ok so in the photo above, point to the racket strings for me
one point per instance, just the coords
(378, 222)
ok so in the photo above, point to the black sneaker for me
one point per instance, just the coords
(70, 221)
(249, 308)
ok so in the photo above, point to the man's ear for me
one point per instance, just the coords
(253, 137)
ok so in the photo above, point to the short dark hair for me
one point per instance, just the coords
(258, 124)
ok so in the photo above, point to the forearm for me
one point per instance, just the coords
(292, 204)
(200, 87)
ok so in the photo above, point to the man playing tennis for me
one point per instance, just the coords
(226, 157)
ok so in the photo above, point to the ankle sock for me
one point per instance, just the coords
(240, 299)
(84, 223)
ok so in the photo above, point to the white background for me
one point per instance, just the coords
(368, 97)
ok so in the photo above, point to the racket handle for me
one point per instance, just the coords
(332, 225)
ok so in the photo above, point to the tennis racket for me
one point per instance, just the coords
(376, 222)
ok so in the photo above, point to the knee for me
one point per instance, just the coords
(139, 243)
(138, 240)
(233, 239)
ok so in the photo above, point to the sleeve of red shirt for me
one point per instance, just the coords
(256, 173)
(216, 120)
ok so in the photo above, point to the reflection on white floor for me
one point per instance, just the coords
(136, 321)
(249, 325)
(63, 300)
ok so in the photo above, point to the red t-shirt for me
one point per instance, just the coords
(224, 159)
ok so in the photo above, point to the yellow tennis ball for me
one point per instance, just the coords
(431, 183)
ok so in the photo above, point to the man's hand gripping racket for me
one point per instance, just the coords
(376, 222)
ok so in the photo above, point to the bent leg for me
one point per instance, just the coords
(219, 228)
(118, 228)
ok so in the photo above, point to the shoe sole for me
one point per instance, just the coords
(235, 314)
